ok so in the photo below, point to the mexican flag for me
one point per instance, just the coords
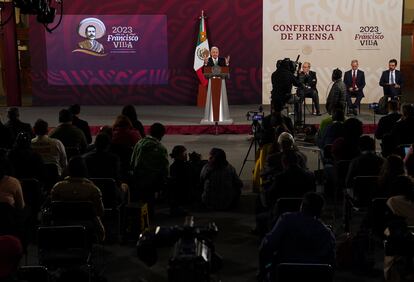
(201, 48)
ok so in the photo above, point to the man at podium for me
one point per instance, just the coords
(216, 70)
(215, 60)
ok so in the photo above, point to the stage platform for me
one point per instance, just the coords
(177, 119)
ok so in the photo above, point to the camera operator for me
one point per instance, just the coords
(307, 89)
(282, 81)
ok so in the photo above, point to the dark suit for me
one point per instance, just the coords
(307, 89)
(390, 90)
(221, 62)
(359, 83)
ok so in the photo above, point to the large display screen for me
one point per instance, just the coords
(108, 50)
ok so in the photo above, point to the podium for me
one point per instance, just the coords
(216, 110)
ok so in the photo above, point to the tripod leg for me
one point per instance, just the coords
(247, 154)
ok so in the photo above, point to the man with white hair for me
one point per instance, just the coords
(354, 80)
(215, 60)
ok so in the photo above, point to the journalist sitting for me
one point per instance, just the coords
(387, 123)
(274, 120)
(282, 81)
(307, 89)
(299, 237)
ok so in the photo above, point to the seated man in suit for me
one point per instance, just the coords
(307, 89)
(215, 60)
(392, 80)
(354, 80)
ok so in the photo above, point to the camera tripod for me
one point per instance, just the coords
(254, 142)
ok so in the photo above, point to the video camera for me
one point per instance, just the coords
(193, 257)
(373, 106)
(288, 64)
(255, 116)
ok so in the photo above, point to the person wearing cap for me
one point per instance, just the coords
(11, 251)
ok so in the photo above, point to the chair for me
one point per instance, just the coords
(110, 195)
(63, 246)
(299, 272)
(34, 273)
(75, 213)
(347, 107)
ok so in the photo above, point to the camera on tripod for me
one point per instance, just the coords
(193, 257)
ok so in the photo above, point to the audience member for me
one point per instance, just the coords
(80, 123)
(403, 131)
(180, 186)
(25, 162)
(76, 187)
(333, 130)
(129, 112)
(10, 189)
(398, 267)
(6, 138)
(149, 163)
(196, 165)
(298, 237)
(51, 150)
(221, 184)
(346, 147)
(324, 124)
(387, 123)
(392, 167)
(293, 181)
(409, 163)
(12, 214)
(101, 163)
(11, 252)
(123, 133)
(72, 137)
(286, 143)
(15, 126)
(402, 201)
(274, 120)
(366, 164)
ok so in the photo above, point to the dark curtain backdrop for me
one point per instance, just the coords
(235, 26)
